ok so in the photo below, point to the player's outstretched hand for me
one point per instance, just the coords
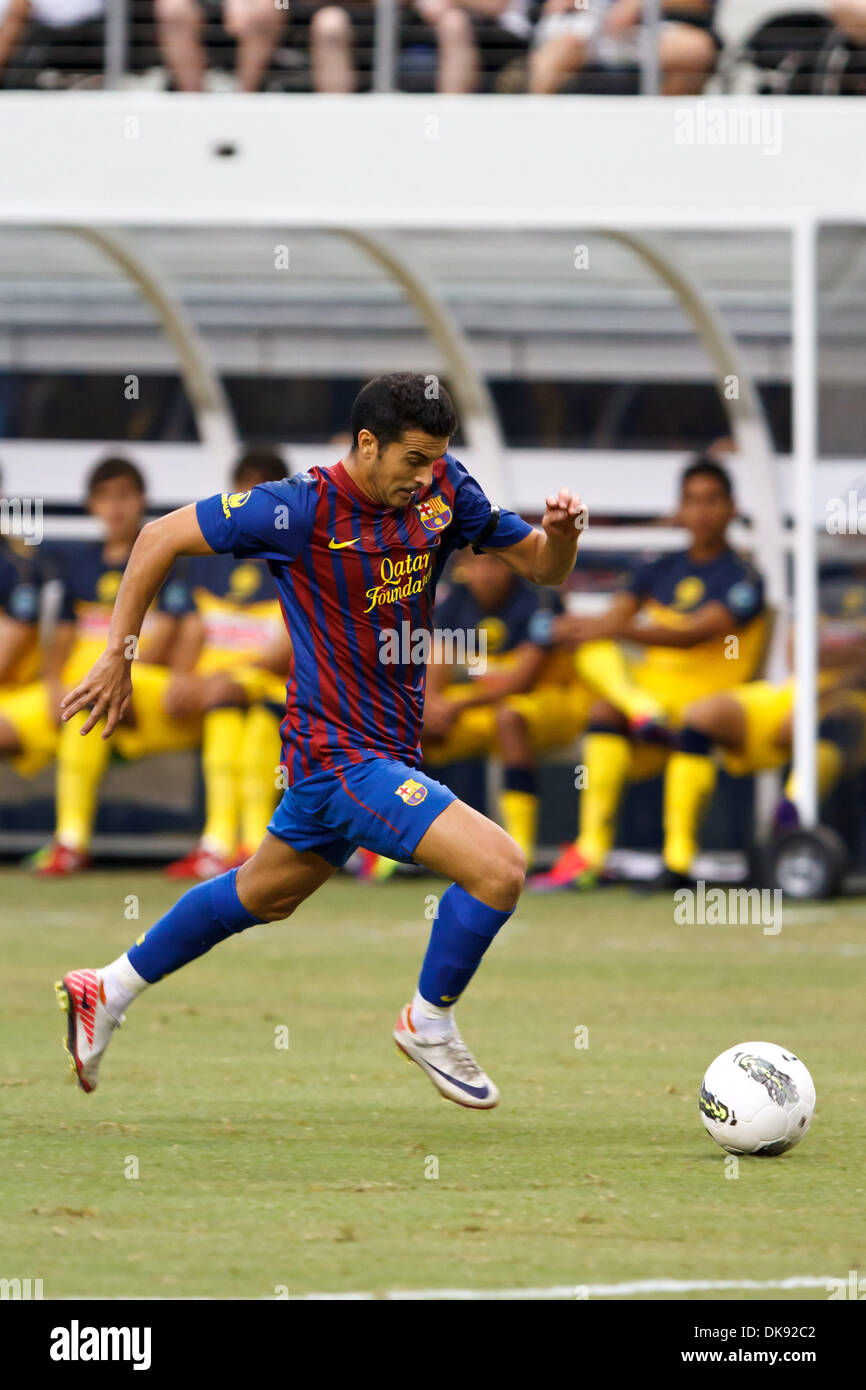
(564, 514)
(106, 690)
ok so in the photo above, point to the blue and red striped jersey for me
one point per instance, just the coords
(349, 575)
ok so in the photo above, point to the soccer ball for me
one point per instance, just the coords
(757, 1099)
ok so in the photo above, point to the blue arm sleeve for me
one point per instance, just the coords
(273, 521)
(473, 513)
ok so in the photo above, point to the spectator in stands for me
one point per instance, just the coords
(474, 39)
(61, 35)
(850, 17)
(571, 36)
(255, 24)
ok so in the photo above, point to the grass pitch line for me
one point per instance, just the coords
(626, 1290)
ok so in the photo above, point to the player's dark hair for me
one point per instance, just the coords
(115, 467)
(260, 460)
(389, 405)
(703, 466)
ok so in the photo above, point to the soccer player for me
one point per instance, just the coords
(230, 663)
(522, 702)
(699, 614)
(751, 725)
(495, 688)
(355, 550)
(27, 730)
(91, 577)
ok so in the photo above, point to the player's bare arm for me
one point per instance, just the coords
(529, 661)
(710, 620)
(548, 556)
(107, 687)
(615, 622)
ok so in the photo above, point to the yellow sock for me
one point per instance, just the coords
(689, 782)
(830, 760)
(221, 753)
(260, 760)
(606, 759)
(602, 666)
(520, 817)
(81, 764)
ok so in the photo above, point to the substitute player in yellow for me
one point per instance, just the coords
(496, 688)
(751, 726)
(698, 615)
(91, 576)
(231, 665)
(28, 732)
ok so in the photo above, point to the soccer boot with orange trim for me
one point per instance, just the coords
(81, 996)
(448, 1063)
(571, 870)
(59, 861)
(200, 863)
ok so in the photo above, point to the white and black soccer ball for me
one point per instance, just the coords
(757, 1099)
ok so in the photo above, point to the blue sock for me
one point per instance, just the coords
(462, 931)
(205, 915)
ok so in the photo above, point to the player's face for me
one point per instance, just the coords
(120, 507)
(403, 468)
(488, 580)
(706, 510)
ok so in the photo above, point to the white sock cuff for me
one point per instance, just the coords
(427, 1010)
(126, 976)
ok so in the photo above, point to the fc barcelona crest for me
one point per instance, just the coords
(412, 792)
(434, 513)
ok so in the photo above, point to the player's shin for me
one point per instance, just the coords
(839, 736)
(81, 764)
(519, 806)
(690, 779)
(607, 755)
(462, 931)
(221, 745)
(204, 916)
(260, 757)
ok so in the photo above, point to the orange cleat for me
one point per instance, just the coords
(200, 863)
(59, 861)
(571, 870)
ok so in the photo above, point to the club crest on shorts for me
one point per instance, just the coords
(435, 514)
(412, 792)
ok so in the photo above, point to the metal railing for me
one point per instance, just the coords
(120, 44)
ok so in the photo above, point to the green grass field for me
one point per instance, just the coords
(263, 1168)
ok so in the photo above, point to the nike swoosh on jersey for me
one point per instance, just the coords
(339, 545)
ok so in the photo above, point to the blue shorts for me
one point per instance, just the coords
(383, 805)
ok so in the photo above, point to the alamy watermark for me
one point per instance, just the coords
(729, 123)
(22, 516)
(415, 646)
(729, 907)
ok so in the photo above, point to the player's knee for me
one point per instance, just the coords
(454, 26)
(275, 905)
(176, 11)
(509, 718)
(256, 18)
(701, 715)
(506, 874)
(604, 715)
(331, 25)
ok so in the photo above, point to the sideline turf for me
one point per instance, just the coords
(261, 1168)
